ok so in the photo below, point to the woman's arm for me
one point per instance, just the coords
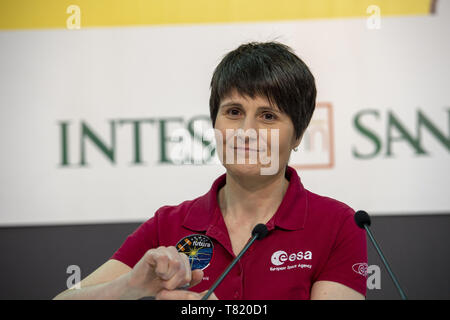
(330, 290)
(160, 268)
(107, 282)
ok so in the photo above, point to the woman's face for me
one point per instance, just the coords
(266, 134)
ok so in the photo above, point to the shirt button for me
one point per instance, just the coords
(236, 294)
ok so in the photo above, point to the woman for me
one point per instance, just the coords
(313, 249)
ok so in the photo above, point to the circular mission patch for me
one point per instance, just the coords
(198, 248)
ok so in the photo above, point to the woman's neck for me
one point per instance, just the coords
(249, 201)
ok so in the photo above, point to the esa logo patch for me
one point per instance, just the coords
(280, 257)
(360, 268)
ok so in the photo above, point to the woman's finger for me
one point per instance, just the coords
(197, 277)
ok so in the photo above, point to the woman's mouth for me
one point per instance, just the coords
(246, 149)
(242, 149)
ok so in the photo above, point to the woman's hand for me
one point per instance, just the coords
(183, 295)
(159, 269)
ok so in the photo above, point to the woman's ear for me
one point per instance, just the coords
(296, 142)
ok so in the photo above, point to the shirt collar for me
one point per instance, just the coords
(290, 215)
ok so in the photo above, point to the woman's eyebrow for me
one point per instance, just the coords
(237, 104)
(228, 104)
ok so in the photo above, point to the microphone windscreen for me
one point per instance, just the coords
(260, 230)
(362, 218)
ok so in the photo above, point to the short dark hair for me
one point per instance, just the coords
(271, 70)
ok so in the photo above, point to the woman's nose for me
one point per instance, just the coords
(249, 123)
(248, 131)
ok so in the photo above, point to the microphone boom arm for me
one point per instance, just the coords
(383, 259)
(222, 276)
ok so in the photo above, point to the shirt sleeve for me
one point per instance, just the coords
(145, 237)
(347, 262)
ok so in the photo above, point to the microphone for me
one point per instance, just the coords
(258, 233)
(362, 220)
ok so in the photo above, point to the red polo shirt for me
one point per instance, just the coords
(311, 238)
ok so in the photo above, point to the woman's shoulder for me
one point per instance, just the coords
(174, 210)
(328, 207)
(179, 211)
(331, 218)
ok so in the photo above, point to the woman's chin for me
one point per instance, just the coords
(249, 170)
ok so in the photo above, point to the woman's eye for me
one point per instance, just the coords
(233, 112)
(269, 116)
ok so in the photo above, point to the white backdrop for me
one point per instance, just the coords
(385, 79)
